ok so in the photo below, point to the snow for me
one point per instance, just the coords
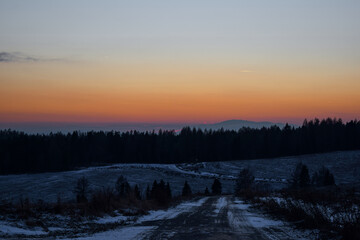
(262, 222)
(139, 232)
(220, 204)
(110, 219)
(48, 186)
(272, 229)
(7, 229)
(125, 233)
(241, 205)
(171, 212)
(255, 219)
(53, 229)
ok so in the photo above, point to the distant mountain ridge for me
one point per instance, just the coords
(236, 124)
(43, 127)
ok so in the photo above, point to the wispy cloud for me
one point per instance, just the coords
(246, 71)
(22, 57)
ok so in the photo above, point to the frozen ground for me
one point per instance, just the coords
(48, 186)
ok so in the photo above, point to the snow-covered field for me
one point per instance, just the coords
(48, 186)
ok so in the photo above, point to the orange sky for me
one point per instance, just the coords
(153, 93)
(179, 61)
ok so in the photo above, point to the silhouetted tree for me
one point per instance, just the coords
(28, 153)
(186, 191)
(148, 193)
(82, 189)
(300, 177)
(244, 181)
(154, 190)
(216, 187)
(168, 191)
(206, 192)
(323, 177)
(161, 193)
(137, 192)
(122, 187)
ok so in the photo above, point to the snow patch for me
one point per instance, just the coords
(110, 219)
(171, 212)
(7, 229)
(220, 204)
(125, 233)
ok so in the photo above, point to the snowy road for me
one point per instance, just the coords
(217, 218)
(214, 218)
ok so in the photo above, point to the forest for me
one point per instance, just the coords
(29, 153)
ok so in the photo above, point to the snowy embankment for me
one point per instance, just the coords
(7, 229)
(125, 226)
(273, 229)
(138, 232)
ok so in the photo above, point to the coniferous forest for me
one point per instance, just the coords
(24, 153)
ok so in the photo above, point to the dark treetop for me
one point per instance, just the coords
(22, 153)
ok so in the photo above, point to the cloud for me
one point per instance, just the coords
(246, 71)
(16, 57)
(21, 57)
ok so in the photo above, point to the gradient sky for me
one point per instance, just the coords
(179, 61)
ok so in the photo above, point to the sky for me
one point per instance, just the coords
(179, 61)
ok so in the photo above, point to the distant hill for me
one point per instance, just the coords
(237, 124)
(65, 127)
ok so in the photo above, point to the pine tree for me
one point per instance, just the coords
(154, 190)
(300, 177)
(244, 181)
(216, 187)
(82, 189)
(206, 192)
(168, 191)
(122, 187)
(323, 178)
(137, 192)
(148, 193)
(186, 191)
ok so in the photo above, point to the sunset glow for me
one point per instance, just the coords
(179, 62)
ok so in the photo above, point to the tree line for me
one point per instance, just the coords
(159, 195)
(26, 153)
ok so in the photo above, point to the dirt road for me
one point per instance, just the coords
(217, 218)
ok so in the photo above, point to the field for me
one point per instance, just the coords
(48, 186)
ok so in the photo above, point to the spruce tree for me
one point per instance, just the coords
(168, 191)
(137, 192)
(323, 177)
(216, 187)
(206, 192)
(148, 193)
(186, 191)
(244, 181)
(82, 189)
(300, 177)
